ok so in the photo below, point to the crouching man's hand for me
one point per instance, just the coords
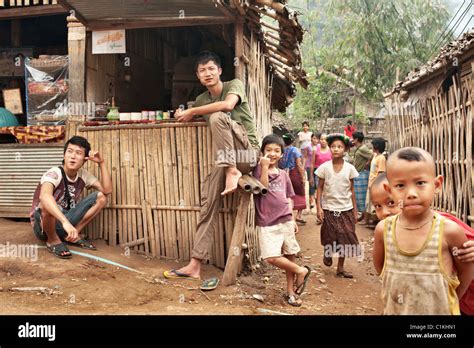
(72, 233)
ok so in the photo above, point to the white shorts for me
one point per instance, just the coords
(278, 240)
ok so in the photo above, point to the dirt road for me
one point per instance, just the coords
(84, 286)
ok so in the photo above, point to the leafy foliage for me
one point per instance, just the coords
(363, 42)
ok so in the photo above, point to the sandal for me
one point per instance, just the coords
(327, 261)
(209, 284)
(301, 221)
(82, 243)
(60, 250)
(344, 274)
(293, 300)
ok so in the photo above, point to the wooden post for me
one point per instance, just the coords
(239, 51)
(77, 60)
(235, 251)
(16, 32)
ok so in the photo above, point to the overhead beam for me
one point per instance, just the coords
(36, 11)
(111, 24)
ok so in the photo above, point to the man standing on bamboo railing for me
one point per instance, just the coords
(225, 107)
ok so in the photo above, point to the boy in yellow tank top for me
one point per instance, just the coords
(413, 250)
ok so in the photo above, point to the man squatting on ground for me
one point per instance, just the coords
(56, 214)
(225, 107)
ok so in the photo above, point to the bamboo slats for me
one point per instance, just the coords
(259, 86)
(157, 173)
(442, 125)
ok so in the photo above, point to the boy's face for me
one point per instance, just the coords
(384, 203)
(337, 149)
(274, 153)
(413, 184)
(209, 74)
(74, 157)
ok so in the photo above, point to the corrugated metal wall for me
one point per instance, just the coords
(21, 167)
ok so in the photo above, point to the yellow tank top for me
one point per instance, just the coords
(416, 282)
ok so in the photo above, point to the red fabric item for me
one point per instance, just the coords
(299, 199)
(349, 130)
(467, 301)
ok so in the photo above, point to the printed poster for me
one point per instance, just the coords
(108, 42)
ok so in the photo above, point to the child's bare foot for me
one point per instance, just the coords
(344, 274)
(302, 279)
(231, 180)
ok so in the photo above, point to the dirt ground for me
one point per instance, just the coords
(84, 286)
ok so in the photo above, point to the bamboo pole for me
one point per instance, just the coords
(233, 259)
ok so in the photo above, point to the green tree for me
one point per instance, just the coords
(363, 42)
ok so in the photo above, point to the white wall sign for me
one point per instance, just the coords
(108, 42)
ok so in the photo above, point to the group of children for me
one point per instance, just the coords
(423, 257)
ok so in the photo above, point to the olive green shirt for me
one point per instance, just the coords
(241, 113)
(362, 154)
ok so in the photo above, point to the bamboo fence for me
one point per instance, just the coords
(157, 173)
(442, 125)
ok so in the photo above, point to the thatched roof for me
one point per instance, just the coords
(450, 55)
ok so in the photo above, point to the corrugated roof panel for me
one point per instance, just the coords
(21, 169)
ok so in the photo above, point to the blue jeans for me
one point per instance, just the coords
(74, 216)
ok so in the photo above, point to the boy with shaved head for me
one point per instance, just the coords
(414, 249)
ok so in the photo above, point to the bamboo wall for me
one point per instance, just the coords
(258, 81)
(157, 173)
(441, 123)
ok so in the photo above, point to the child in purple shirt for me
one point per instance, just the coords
(278, 245)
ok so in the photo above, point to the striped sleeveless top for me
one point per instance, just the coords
(416, 282)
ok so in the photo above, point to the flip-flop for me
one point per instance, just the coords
(301, 221)
(209, 284)
(174, 274)
(300, 288)
(58, 250)
(82, 243)
(344, 274)
(327, 261)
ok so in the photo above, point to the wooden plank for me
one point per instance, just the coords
(239, 51)
(161, 22)
(238, 236)
(24, 12)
